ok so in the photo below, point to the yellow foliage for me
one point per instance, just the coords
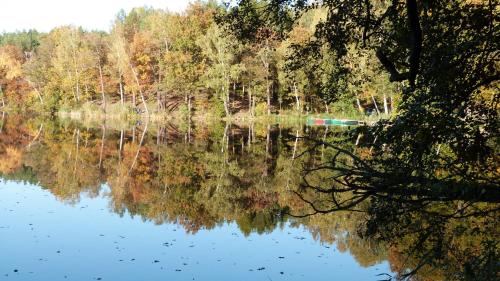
(10, 63)
(11, 160)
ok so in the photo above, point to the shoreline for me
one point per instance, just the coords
(125, 116)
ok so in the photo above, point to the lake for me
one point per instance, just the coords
(211, 202)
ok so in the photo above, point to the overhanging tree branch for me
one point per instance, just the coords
(391, 68)
(415, 49)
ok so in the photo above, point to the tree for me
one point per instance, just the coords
(222, 51)
(119, 60)
(26, 41)
(100, 50)
(73, 62)
(13, 82)
(409, 39)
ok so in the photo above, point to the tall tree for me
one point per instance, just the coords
(222, 51)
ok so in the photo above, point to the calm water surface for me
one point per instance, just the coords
(150, 202)
(45, 239)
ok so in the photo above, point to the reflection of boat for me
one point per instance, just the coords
(333, 122)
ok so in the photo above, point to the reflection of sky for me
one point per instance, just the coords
(92, 241)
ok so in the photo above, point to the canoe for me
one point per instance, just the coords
(332, 122)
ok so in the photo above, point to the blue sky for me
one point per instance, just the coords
(90, 14)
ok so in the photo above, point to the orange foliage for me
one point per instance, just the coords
(11, 160)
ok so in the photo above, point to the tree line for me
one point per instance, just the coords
(158, 61)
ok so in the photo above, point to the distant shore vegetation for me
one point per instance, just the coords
(153, 61)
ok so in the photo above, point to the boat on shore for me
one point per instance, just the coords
(333, 122)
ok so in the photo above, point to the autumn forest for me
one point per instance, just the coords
(219, 121)
(157, 62)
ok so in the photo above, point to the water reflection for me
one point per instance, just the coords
(258, 178)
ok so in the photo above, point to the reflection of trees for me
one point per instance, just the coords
(65, 165)
(11, 143)
(198, 184)
(11, 160)
(226, 174)
(437, 226)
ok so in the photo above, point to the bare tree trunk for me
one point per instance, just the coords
(223, 142)
(36, 136)
(297, 100)
(140, 90)
(139, 148)
(224, 100)
(189, 117)
(374, 141)
(253, 106)
(226, 107)
(121, 92)
(77, 88)
(189, 128)
(324, 141)
(360, 108)
(121, 146)
(268, 150)
(293, 159)
(102, 88)
(249, 144)
(189, 106)
(102, 145)
(1, 94)
(228, 99)
(386, 106)
(268, 98)
(375, 103)
(3, 121)
(358, 139)
(158, 136)
(75, 66)
(158, 98)
(268, 86)
(227, 142)
(268, 139)
(250, 101)
(234, 93)
(77, 149)
(295, 145)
